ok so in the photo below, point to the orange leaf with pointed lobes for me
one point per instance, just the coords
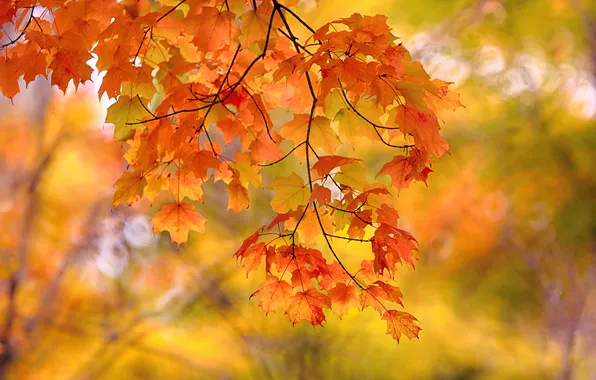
(443, 99)
(390, 246)
(238, 199)
(342, 298)
(186, 185)
(321, 194)
(246, 244)
(253, 257)
(129, 187)
(388, 215)
(288, 67)
(424, 126)
(10, 71)
(327, 163)
(178, 219)
(308, 306)
(231, 128)
(376, 295)
(309, 228)
(301, 278)
(273, 293)
(359, 222)
(212, 29)
(401, 323)
(403, 170)
(262, 149)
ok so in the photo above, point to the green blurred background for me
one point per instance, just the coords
(506, 284)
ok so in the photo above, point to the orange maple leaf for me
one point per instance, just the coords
(308, 306)
(401, 323)
(343, 297)
(273, 293)
(178, 219)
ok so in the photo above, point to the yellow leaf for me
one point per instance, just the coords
(126, 110)
(155, 184)
(128, 188)
(254, 28)
(290, 193)
(322, 136)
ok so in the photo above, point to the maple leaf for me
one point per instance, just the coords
(308, 306)
(238, 199)
(399, 170)
(254, 28)
(377, 294)
(443, 98)
(128, 188)
(246, 244)
(353, 128)
(186, 185)
(359, 222)
(321, 194)
(387, 215)
(327, 163)
(70, 64)
(279, 218)
(231, 128)
(262, 149)
(322, 136)
(178, 219)
(401, 323)
(212, 29)
(10, 71)
(273, 293)
(343, 297)
(253, 256)
(301, 278)
(155, 184)
(290, 193)
(309, 228)
(391, 245)
(403, 170)
(288, 67)
(413, 93)
(424, 126)
(126, 110)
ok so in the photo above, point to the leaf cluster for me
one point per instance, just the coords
(195, 82)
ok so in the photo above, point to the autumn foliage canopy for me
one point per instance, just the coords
(197, 86)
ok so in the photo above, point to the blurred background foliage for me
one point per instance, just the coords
(505, 288)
